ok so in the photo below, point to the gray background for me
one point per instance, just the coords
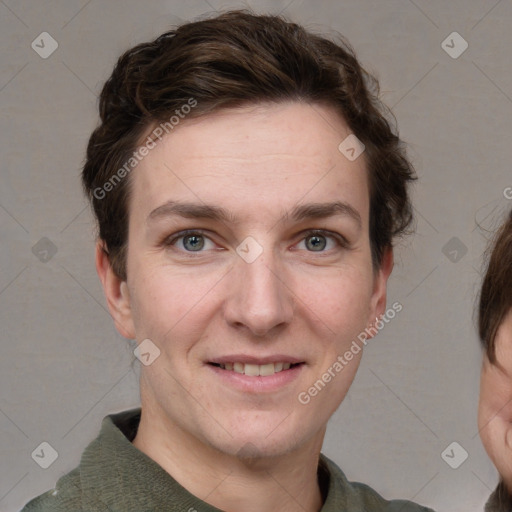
(64, 367)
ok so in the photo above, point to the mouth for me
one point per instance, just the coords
(256, 370)
(251, 374)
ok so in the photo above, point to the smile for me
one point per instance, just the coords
(256, 370)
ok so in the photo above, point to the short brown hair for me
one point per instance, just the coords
(496, 293)
(235, 59)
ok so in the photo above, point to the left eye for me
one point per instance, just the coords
(319, 241)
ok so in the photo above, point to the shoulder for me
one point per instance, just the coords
(66, 496)
(105, 474)
(374, 501)
(359, 496)
(77, 490)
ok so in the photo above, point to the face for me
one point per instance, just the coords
(249, 267)
(495, 406)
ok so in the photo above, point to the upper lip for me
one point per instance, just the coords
(247, 359)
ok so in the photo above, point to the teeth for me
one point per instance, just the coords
(266, 369)
(255, 370)
(252, 369)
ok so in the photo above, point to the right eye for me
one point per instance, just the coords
(189, 241)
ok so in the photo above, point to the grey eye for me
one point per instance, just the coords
(193, 242)
(316, 242)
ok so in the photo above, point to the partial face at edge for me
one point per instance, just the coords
(495, 404)
(304, 299)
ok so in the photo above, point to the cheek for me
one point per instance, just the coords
(163, 301)
(341, 298)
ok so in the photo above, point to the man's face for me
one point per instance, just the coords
(285, 302)
(495, 406)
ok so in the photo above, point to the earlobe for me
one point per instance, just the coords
(380, 285)
(116, 293)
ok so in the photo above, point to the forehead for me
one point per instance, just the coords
(264, 156)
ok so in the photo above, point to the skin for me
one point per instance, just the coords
(235, 449)
(495, 404)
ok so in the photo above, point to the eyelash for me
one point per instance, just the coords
(340, 240)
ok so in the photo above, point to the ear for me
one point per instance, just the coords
(116, 293)
(381, 275)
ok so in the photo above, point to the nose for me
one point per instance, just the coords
(260, 298)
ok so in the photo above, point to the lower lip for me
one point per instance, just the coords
(258, 384)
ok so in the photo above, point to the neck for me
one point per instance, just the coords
(286, 483)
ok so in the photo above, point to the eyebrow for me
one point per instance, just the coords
(217, 213)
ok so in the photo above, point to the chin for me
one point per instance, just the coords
(259, 443)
